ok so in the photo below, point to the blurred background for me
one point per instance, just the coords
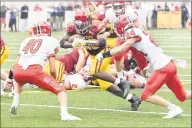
(19, 16)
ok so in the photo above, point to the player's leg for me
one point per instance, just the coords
(175, 85)
(48, 83)
(154, 83)
(118, 60)
(60, 69)
(17, 91)
(99, 70)
(103, 68)
(115, 90)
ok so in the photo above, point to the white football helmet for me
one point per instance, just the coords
(132, 15)
(85, 73)
(75, 81)
(110, 15)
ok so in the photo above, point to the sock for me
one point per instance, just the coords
(64, 110)
(16, 100)
(120, 75)
(171, 106)
(129, 96)
(117, 81)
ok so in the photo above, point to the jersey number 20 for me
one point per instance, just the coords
(32, 46)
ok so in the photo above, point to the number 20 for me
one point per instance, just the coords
(32, 46)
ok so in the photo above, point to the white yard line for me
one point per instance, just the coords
(169, 51)
(94, 109)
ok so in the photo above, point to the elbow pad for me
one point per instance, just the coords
(102, 42)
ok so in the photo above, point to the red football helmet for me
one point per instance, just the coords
(122, 24)
(41, 28)
(82, 21)
(119, 7)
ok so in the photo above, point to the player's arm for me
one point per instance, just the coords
(101, 42)
(81, 61)
(120, 49)
(52, 67)
(188, 24)
(52, 63)
(65, 42)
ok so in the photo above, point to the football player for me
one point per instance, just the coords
(161, 66)
(67, 64)
(94, 35)
(33, 53)
(118, 9)
(4, 54)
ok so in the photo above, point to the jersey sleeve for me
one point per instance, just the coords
(139, 58)
(133, 33)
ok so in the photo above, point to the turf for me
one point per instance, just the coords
(98, 108)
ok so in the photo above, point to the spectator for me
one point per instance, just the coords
(37, 8)
(3, 16)
(53, 14)
(184, 14)
(167, 7)
(24, 17)
(60, 16)
(172, 8)
(159, 8)
(38, 13)
(154, 17)
(13, 19)
(77, 6)
(69, 7)
(177, 8)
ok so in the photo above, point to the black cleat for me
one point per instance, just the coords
(125, 87)
(135, 102)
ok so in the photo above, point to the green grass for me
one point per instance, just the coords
(33, 116)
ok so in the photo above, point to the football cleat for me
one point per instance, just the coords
(69, 117)
(173, 113)
(125, 87)
(13, 110)
(135, 102)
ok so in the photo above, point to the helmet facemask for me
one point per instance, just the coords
(82, 24)
(119, 9)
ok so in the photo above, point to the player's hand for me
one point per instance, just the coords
(78, 42)
(100, 57)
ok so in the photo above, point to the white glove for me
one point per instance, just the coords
(100, 57)
(78, 42)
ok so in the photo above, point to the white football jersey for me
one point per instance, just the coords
(146, 45)
(36, 50)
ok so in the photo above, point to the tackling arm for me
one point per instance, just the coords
(81, 61)
(120, 49)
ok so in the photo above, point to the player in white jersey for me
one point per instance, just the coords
(33, 53)
(119, 8)
(162, 67)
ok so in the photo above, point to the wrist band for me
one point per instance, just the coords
(106, 54)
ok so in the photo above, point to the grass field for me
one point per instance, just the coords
(98, 108)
